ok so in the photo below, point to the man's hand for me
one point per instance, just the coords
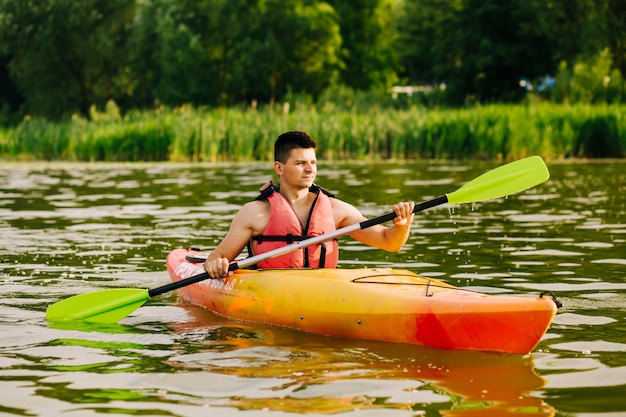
(217, 268)
(404, 213)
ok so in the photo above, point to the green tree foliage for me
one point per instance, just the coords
(480, 49)
(170, 51)
(60, 57)
(10, 98)
(67, 55)
(369, 59)
(307, 33)
(613, 14)
(223, 52)
(426, 45)
(592, 81)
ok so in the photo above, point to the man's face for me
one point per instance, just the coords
(300, 169)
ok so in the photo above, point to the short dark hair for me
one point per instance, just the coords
(288, 141)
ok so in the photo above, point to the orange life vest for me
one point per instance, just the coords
(284, 228)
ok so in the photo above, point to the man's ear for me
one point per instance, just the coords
(278, 168)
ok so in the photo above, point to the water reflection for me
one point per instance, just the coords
(310, 372)
(204, 360)
(67, 229)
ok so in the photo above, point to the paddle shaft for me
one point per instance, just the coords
(253, 260)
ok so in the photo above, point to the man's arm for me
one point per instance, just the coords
(248, 222)
(391, 239)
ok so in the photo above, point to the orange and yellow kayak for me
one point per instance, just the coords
(390, 305)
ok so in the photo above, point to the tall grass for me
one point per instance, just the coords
(189, 134)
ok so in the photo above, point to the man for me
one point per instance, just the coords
(297, 208)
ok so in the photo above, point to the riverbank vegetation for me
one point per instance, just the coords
(189, 134)
(213, 80)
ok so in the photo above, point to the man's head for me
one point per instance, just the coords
(289, 141)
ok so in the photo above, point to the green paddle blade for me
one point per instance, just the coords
(107, 306)
(502, 181)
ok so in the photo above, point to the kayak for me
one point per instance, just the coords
(380, 304)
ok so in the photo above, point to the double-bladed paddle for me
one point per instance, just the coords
(110, 306)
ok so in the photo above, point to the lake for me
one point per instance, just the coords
(70, 228)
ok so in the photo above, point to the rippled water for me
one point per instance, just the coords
(73, 228)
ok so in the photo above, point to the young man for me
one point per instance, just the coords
(297, 208)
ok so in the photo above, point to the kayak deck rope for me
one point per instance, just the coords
(427, 287)
(551, 294)
(428, 284)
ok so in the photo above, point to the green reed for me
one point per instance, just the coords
(235, 134)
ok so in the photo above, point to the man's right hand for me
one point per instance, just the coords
(217, 268)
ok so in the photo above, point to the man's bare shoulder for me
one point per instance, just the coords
(341, 205)
(253, 215)
(254, 207)
(345, 213)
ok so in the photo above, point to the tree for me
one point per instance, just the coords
(481, 48)
(426, 40)
(174, 48)
(302, 39)
(613, 13)
(10, 98)
(367, 53)
(224, 52)
(67, 55)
